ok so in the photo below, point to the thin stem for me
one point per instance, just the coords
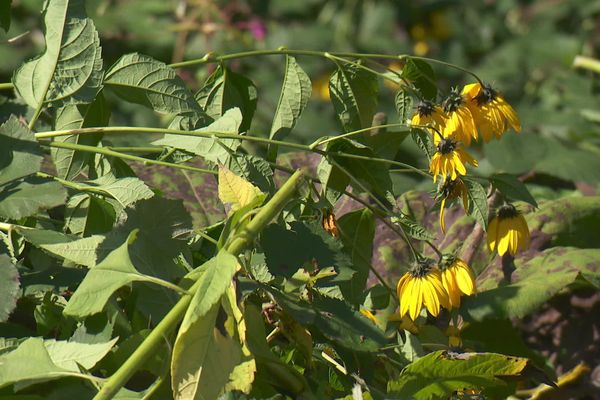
(381, 160)
(172, 319)
(138, 149)
(321, 141)
(6, 86)
(447, 64)
(107, 151)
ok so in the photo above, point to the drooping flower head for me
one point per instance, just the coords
(430, 114)
(421, 286)
(460, 124)
(508, 231)
(492, 114)
(457, 278)
(451, 189)
(449, 160)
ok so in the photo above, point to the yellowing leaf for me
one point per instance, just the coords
(237, 191)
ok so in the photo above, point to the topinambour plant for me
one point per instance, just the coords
(108, 291)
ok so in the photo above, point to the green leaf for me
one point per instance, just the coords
(516, 154)
(124, 190)
(70, 355)
(30, 361)
(354, 96)
(295, 92)
(237, 191)
(512, 188)
(421, 75)
(9, 287)
(439, 374)
(225, 89)
(411, 227)
(404, 102)
(478, 206)
(27, 197)
(20, 154)
(424, 141)
(89, 214)
(70, 69)
(5, 14)
(333, 181)
(215, 280)
(535, 281)
(254, 169)
(115, 271)
(141, 79)
(357, 230)
(213, 149)
(81, 251)
(69, 163)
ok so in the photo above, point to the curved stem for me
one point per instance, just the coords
(6, 86)
(447, 64)
(321, 141)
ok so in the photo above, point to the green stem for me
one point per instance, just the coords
(447, 64)
(107, 151)
(321, 141)
(138, 149)
(6, 86)
(170, 321)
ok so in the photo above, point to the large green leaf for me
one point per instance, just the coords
(512, 188)
(295, 92)
(25, 198)
(9, 287)
(478, 206)
(115, 271)
(88, 214)
(69, 163)
(124, 190)
(70, 69)
(20, 154)
(70, 355)
(225, 89)
(143, 80)
(354, 96)
(535, 281)
(439, 374)
(421, 75)
(69, 247)
(213, 149)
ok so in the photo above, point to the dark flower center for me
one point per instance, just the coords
(425, 108)
(486, 95)
(448, 187)
(507, 211)
(453, 101)
(446, 146)
(422, 267)
(447, 261)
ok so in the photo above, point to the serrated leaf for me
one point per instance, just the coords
(403, 103)
(125, 190)
(512, 188)
(295, 92)
(69, 163)
(69, 355)
(9, 287)
(424, 141)
(29, 361)
(354, 96)
(72, 248)
(141, 79)
(225, 89)
(254, 169)
(237, 191)
(113, 272)
(333, 181)
(70, 69)
(20, 154)
(411, 227)
(421, 75)
(213, 149)
(21, 199)
(439, 374)
(478, 206)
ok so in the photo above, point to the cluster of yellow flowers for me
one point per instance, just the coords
(476, 111)
(434, 286)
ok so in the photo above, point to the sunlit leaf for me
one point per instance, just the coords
(478, 207)
(24, 198)
(9, 287)
(20, 154)
(403, 104)
(237, 191)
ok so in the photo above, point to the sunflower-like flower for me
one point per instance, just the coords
(451, 189)
(430, 114)
(493, 115)
(422, 286)
(460, 124)
(449, 160)
(457, 279)
(508, 231)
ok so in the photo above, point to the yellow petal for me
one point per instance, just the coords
(416, 299)
(502, 236)
(405, 297)
(442, 223)
(492, 236)
(465, 279)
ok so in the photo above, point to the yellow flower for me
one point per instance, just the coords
(451, 189)
(457, 279)
(422, 286)
(449, 160)
(493, 115)
(430, 114)
(460, 124)
(367, 313)
(320, 88)
(508, 231)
